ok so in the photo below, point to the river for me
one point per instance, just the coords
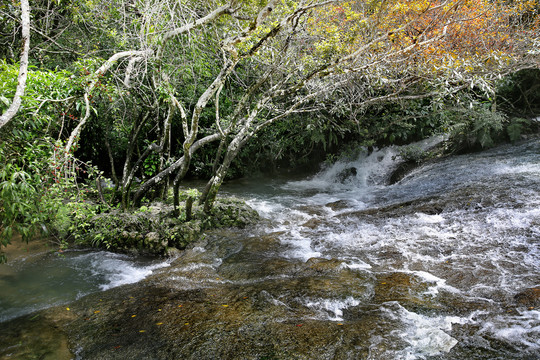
(444, 264)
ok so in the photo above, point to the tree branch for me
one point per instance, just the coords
(102, 70)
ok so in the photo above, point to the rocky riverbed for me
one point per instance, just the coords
(442, 265)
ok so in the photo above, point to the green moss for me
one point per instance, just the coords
(153, 229)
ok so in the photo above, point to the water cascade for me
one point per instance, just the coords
(443, 264)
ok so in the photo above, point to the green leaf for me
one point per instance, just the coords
(5, 100)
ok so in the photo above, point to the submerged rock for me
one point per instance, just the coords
(324, 265)
(312, 223)
(529, 297)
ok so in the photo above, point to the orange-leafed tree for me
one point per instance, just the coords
(389, 49)
(453, 39)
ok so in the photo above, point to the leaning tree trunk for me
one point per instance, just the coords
(23, 68)
(176, 184)
(211, 189)
(178, 164)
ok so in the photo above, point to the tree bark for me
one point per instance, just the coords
(23, 67)
(102, 70)
(144, 188)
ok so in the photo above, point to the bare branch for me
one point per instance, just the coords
(222, 10)
(99, 72)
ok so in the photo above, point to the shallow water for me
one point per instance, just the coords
(44, 278)
(343, 266)
(464, 230)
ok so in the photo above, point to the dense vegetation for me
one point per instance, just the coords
(110, 104)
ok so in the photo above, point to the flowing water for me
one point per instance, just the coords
(444, 264)
(43, 279)
(441, 255)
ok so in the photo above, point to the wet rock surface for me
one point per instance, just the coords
(529, 297)
(412, 271)
(242, 308)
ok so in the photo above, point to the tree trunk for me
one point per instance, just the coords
(176, 184)
(211, 190)
(129, 178)
(23, 68)
(180, 163)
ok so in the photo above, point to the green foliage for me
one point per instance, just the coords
(18, 213)
(476, 127)
(42, 179)
(151, 165)
(516, 128)
(39, 181)
(50, 103)
(519, 94)
(414, 154)
(152, 229)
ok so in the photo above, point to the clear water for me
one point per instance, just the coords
(46, 279)
(429, 266)
(482, 245)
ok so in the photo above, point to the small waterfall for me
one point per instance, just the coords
(443, 264)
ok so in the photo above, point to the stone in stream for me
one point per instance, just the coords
(346, 174)
(405, 288)
(338, 205)
(529, 297)
(312, 223)
(324, 265)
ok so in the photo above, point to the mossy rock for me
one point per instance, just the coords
(152, 230)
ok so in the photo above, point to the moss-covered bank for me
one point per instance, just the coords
(156, 229)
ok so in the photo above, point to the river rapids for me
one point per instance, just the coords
(444, 264)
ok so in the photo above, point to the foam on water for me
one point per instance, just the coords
(427, 336)
(440, 284)
(522, 329)
(365, 171)
(301, 246)
(53, 279)
(331, 309)
(118, 269)
(481, 248)
(350, 176)
(356, 264)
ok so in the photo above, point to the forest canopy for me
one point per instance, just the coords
(148, 92)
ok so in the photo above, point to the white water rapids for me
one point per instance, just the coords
(342, 266)
(479, 246)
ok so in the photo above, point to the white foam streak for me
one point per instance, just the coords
(426, 335)
(523, 329)
(357, 265)
(120, 270)
(332, 308)
(439, 283)
(301, 246)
